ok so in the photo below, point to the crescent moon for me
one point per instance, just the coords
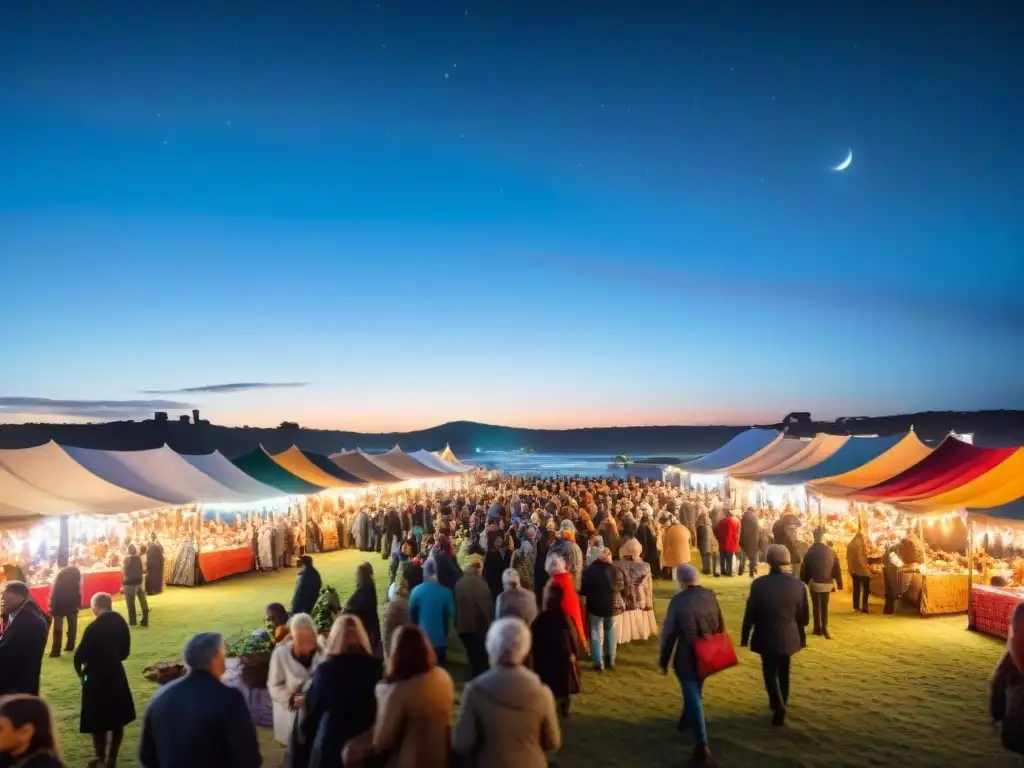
(846, 163)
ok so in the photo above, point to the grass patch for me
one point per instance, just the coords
(887, 690)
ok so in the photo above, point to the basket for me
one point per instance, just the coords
(255, 669)
(163, 672)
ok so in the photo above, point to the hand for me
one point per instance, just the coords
(298, 701)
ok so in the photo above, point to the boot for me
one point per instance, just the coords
(779, 718)
(824, 632)
(701, 755)
(817, 631)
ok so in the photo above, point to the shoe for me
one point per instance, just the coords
(779, 718)
(144, 623)
(816, 632)
(865, 609)
(54, 654)
(598, 668)
(825, 634)
(69, 649)
(701, 754)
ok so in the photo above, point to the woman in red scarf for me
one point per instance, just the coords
(570, 600)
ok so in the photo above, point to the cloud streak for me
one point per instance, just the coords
(222, 389)
(102, 410)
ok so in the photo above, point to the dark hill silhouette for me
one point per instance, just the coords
(994, 428)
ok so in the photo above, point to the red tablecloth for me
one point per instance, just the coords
(92, 582)
(991, 608)
(225, 562)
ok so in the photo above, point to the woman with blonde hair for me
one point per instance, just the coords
(27, 738)
(340, 702)
(292, 665)
(414, 707)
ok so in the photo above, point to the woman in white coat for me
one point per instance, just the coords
(291, 668)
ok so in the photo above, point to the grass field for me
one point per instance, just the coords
(886, 691)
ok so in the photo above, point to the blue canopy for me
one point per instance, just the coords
(741, 447)
(1014, 511)
(855, 452)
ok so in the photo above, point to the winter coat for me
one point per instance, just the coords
(396, 614)
(784, 532)
(21, 650)
(570, 601)
(286, 678)
(857, 556)
(692, 613)
(750, 534)
(610, 535)
(676, 541)
(341, 703)
(474, 606)
(705, 538)
(603, 584)
(777, 614)
(519, 602)
(507, 720)
(556, 649)
(414, 720)
(363, 603)
(307, 590)
(99, 661)
(154, 568)
(821, 566)
(649, 541)
(1006, 703)
(66, 593)
(132, 574)
(728, 531)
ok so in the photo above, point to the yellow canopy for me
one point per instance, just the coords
(448, 454)
(905, 454)
(1000, 485)
(301, 467)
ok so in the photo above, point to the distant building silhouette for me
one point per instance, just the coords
(160, 417)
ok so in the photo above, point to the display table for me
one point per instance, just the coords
(225, 562)
(93, 582)
(943, 593)
(991, 609)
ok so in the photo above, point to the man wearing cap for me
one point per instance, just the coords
(777, 615)
(197, 721)
(693, 612)
(23, 642)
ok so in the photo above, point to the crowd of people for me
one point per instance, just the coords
(529, 576)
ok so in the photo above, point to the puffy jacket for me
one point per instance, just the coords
(729, 534)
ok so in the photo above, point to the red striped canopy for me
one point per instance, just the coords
(949, 466)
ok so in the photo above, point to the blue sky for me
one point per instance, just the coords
(542, 214)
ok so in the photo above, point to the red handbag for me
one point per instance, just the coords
(714, 653)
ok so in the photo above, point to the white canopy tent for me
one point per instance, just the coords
(433, 461)
(218, 467)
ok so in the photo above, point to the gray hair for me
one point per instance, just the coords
(508, 641)
(687, 575)
(777, 555)
(301, 621)
(202, 649)
(510, 578)
(101, 601)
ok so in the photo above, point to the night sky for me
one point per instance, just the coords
(528, 213)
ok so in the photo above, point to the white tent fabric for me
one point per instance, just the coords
(406, 464)
(18, 498)
(766, 461)
(49, 468)
(158, 473)
(433, 461)
(362, 465)
(218, 467)
(814, 452)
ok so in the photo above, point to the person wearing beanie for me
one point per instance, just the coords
(693, 612)
(821, 572)
(775, 626)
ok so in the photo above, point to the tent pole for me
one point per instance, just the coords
(970, 572)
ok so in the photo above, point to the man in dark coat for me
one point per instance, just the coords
(107, 705)
(819, 570)
(307, 586)
(750, 534)
(197, 721)
(777, 614)
(603, 585)
(693, 612)
(649, 541)
(65, 603)
(23, 642)
(154, 566)
(785, 533)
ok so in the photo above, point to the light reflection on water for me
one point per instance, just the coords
(549, 464)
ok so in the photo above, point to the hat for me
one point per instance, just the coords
(687, 575)
(777, 554)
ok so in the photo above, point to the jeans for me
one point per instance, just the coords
(819, 605)
(726, 558)
(130, 593)
(58, 631)
(602, 625)
(861, 590)
(708, 563)
(693, 708)
(476, 652)
(776, 680)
